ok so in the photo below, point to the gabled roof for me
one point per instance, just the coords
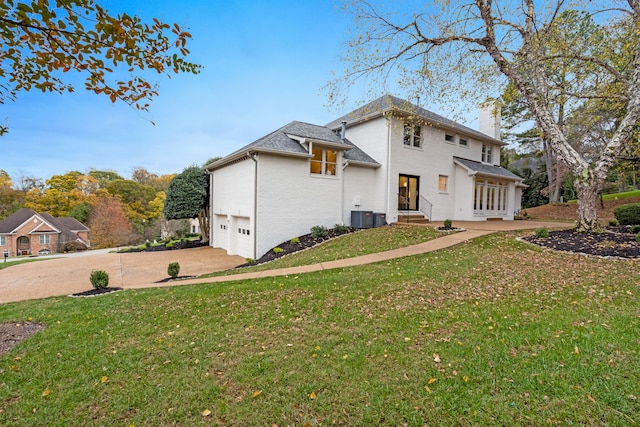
(66, 232)
(65, 226)
(484, 169)
(287, 141)
(390, 103)
(8, 225)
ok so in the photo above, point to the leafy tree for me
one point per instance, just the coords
(104, 177)
(188, 197)
(10, 199)
(62, 193)
(109, 224)
(41, 40)
(136, 199)
(497, 42)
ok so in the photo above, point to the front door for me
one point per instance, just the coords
(408, 192)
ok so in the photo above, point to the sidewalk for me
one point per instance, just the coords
(64, 276)
(471, 231)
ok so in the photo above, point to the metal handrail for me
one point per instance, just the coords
(426, 207)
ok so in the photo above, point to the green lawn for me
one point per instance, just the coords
(493, 332)
(362, 242)
(7, 264)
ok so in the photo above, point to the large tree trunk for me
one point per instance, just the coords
(588, 196)
(203, 219)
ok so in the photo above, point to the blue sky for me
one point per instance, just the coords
(265, 63)
(264, 66)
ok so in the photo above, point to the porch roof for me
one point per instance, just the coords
(477, 168)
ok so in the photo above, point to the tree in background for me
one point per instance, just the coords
(109, 224)
(63, 193)
(10, 199)
(188, 197)
(40, 41)
(137, 202)
(492, 43)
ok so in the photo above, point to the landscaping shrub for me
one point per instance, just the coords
(294, 240)
(635, 229)
(169, 245)
(542, 232)
(628, 214)
(447, 223)
(147, 244)
(341, 228)
(277, 250)
(173, 269)
(613, 223)
(319, 232)
(99, 279)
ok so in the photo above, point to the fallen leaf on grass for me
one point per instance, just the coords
(206, 413)
(432, 380)
(312, 395)
(591, 398)
(46, 393)
(257, 393)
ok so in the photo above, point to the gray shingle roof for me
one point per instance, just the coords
(390, 103)
(281, 141)
(484, 169)
(9, 224)
(66, 225)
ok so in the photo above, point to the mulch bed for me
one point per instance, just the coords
(176, 245)
(95, 292)
(13, 333)
(617, 242)
(304, 242)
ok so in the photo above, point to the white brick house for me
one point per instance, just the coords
(389, 156)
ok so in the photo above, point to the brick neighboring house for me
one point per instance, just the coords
(28, 232)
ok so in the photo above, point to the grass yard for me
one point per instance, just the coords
(492, 332)
(363, 242)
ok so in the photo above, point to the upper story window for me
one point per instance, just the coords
(463, 142)
(487, 154)
(3, 240)
(449, 138)
(323, 162)
(45, 239)
(412, 135)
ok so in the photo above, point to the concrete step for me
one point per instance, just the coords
(412, 219)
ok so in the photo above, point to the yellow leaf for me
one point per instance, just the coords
(591, 398)
(46, 393)
(206, 413)
(575, 350)
(104, 379)
(257, 393)
(466, 378)
(312, 395)
(432, 380)
(427, 388)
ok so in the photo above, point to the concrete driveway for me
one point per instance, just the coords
(66, 275)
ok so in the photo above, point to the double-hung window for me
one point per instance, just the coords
(412, 135)
(487, 155)
(45, 239)
(3, 240)
(323, 161)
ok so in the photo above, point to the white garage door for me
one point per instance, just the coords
(244, 236)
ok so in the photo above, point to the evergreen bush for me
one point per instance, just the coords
(173, 269)
(628, 214)
(99, 279)
(319, 232)
(542, 232)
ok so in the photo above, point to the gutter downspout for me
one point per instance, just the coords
(255, 202)
(342, 202)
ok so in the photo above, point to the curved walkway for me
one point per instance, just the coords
(64, 276)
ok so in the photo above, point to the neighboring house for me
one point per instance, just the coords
(389, 157)
(27, 232)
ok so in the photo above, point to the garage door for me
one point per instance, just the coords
(244, 236)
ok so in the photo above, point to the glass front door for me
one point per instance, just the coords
(408, 192)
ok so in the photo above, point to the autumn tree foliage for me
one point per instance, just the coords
(109, 224)
(459, 49)
(188, 197)
(10, 199)
(41, 40)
